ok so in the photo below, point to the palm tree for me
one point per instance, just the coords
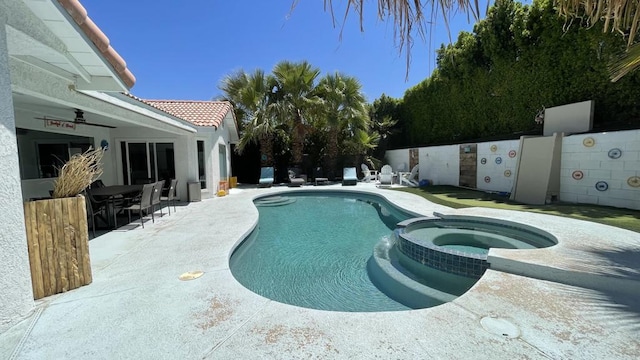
(252, 96)
(296, 100)
(344, 107)
(414, 17)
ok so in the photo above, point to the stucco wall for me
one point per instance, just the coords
(589, 154)
(16, 297)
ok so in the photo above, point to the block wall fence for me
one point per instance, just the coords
(596, 168)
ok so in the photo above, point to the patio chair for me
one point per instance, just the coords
(155, 198)
(294, 180)
(171, 195)
(349, 176)
(410, 179)
(142, 203)
(368, 176)
(266, 177)
(318, 176)
(386, 176)
(95, 208)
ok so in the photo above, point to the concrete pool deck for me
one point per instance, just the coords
(137, 308)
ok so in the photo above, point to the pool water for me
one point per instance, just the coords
(312, 251)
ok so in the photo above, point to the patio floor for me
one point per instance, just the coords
(137, 308)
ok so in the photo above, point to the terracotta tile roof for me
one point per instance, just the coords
(79, 15)
(200, 113)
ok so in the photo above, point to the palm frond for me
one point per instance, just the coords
(626, 63)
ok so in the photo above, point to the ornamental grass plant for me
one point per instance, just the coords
(78, 173)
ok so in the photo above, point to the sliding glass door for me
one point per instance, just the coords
(147, 162)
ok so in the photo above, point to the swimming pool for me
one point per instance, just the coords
(312, 250)
(350, 251)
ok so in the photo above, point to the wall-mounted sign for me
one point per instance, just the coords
(60, 124)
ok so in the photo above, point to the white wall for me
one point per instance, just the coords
(596, 166)
(497, 163)
(441, 164)
(16, 296)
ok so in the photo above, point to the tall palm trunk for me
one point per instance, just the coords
(297, 141)
(266, 150)
(332, 152)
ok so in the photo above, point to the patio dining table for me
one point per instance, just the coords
(113, 192)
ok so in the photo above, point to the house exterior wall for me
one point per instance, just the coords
(184, 172)
(16, 296)
(214, 139)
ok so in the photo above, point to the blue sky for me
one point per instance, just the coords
(183, 49)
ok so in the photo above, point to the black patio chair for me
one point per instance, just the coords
(95, 209)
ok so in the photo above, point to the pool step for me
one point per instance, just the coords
(275, 201)
(387, 272)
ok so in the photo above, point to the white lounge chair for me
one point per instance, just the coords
(410, 179)
(349, 176)
(266, 177)
(368, 174)
(386, 175)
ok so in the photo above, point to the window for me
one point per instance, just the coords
(42, 154)
(201, 165)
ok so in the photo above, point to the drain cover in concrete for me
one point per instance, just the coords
(500, 327)
(190, 275)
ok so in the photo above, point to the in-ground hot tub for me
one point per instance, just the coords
(460, 244)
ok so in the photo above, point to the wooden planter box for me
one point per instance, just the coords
(58, 240)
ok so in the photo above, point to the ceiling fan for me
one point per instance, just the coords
(79, 119)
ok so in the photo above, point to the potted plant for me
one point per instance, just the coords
(57, 231)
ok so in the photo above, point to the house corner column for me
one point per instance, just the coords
(16, 294)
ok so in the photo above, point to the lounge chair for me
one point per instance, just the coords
(386, 176)
(410, 179)
(266, 177)
(349, 176)
(318, 176)
(368, 175)
(294, 180)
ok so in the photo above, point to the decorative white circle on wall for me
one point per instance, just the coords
(483, 161)
(512, 153)
(615, 153)
(588, 142)
(487, 179)
(498, 160)
(602, 186)
(507, 173)
(493, 148)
